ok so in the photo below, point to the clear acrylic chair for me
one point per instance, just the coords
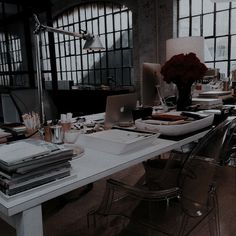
(192, 202)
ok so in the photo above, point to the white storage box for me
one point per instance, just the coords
(117, 141)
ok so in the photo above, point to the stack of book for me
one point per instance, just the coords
(26, 164)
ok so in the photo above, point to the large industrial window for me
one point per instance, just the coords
(112, 66)
(216, 23)
(10, 60)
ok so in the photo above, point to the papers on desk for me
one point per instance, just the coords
(117, 141)
(207, 103)
(214, 94)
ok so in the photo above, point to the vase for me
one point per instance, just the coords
(184, 97)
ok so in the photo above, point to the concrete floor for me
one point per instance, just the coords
(70, 219)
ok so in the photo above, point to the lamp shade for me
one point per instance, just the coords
(219, 1)
(185, 45)
(93, 43)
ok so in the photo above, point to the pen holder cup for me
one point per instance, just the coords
(66, 126)
(47, 133)
(57, 134)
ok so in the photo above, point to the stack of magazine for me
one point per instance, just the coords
(29, 163)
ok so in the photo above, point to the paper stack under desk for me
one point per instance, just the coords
(26, 164)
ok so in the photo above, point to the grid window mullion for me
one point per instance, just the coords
(211, 16)
(95, 68)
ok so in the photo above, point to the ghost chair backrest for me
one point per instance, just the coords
(197, 177)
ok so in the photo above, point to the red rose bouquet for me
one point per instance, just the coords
(183, 69)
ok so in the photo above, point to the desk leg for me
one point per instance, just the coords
(29, 222)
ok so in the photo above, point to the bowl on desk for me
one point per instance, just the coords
(174, 128)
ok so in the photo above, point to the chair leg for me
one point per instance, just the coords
(217, 216)
(92, 216)
(183, 225)
(214, 225)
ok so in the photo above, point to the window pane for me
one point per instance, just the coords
(233, 65)
(208, 25)
(196, 7)
(109, 23)
(127, 58)
(98, 76)
(103, 60)
(233, 20)
(108, 8)
(119, 76)
(118, 58)
(85, 62)
(117, 21)
(184, 27)
(94, 10)
(222, 6)
(97, 60)
(222, 66)
(124, 20)
(82, 13)
(130, 19)
(110, 41)
(95, 27)
(222, 48)
(233, 47)
(222, 26)
(111, 58)
(88, 12)
(196, 26)
(209, 50)
(126, 75)
(102, 25)
(183, 8)
(117, 40)
(208, 6)
(125, 42)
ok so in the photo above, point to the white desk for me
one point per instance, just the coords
(25, 213)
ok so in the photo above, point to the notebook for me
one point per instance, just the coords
(119, 109)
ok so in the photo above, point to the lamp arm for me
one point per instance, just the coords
(60, 31)
(39, 27)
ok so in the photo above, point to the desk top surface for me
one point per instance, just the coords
(90, 167)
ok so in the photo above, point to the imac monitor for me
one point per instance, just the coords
(119, 109)
(150, 81)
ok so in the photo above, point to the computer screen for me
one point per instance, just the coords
(119, 109)
(150, 80)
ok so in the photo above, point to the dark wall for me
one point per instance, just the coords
(82, 102)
